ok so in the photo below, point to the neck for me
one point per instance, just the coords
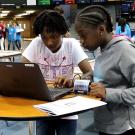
(107, 39)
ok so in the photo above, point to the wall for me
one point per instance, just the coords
(26, 24)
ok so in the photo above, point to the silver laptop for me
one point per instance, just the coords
(26, 80)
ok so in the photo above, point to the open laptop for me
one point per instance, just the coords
(26, 80)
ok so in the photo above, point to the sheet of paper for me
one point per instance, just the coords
(70, 105)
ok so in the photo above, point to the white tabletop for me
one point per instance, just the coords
(4, 54)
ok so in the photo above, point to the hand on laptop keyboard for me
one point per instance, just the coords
(62, 82)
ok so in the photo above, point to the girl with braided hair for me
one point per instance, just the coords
(114, 72)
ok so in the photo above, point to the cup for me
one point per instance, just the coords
(81, 86)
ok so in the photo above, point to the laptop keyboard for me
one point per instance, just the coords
(59, 91)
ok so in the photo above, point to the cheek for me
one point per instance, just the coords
(92, 40)
(58, 42)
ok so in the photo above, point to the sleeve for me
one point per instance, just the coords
(126, 65)
(30, 52)
(78, 52)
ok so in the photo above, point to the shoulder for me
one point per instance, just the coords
(125, 47)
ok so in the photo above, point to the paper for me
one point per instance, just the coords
(70, 105)
(19, 30)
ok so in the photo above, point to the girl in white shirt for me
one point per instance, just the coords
(56, 57)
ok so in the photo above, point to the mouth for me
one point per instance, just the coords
(53, 49)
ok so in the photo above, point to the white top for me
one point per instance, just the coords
(56, 64)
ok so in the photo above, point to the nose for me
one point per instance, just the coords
(49, 42)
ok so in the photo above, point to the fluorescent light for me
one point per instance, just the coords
(7, 4)
(5, 12)
(23, 14)
(30, 11)
(3, 15)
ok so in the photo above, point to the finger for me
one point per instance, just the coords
(65, 81)
(93, 87)
(60, 81)
(93, 84)
(56, 81)
(93, 91)
(69, 83)
(92, 94)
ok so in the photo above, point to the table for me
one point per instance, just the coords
(17, 109)
(20, 109)
(14, 108)
(9, 54)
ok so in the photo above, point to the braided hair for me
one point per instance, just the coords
(95, 15)
(50, 22)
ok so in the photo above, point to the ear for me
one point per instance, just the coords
(101, 29)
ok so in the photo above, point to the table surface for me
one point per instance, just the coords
(14, 108)
(9, 53)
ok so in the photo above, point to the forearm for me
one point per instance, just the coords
(126, 96)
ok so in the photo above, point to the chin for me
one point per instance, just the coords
(91, 49)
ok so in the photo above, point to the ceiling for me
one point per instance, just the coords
(20, 12)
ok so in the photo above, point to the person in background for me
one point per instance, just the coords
(56, 57)
(123, 28)
(1, 35)
(114, 72)
(18, 36)
(12, 35)
(4, 35)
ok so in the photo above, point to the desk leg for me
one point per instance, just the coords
(32, 127)
(12, 59)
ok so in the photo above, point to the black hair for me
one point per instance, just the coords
(95, 15)
(51, 22)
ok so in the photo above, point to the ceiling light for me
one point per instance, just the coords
(3, 15)
(23, 14)
(5, 12)
(30, 11)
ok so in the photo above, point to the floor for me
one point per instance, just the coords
(85, 126)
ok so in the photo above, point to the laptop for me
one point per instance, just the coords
(26, 80)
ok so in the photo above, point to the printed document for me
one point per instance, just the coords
(70, 105)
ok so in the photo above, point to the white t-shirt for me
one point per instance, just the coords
(56, 64)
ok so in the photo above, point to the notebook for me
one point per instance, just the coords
(26, 80)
